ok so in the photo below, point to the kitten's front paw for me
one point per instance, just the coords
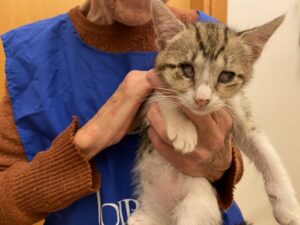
(286, 216)
(184, 137)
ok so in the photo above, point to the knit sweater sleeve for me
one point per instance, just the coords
(53, 180)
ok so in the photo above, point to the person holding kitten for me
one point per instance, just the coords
(75, 84)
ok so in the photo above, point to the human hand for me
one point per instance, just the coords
(114, 118)
(213, 153)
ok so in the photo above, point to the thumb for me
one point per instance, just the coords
(153, 79)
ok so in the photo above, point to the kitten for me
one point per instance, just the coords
(207, 65)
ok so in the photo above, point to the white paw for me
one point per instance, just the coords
(183, 136)
(286, 215)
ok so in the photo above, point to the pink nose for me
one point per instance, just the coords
(202, 102)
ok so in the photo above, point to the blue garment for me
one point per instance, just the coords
(206, 18)
(52, 75)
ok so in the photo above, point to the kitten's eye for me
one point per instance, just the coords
(226, 76)
(187, 70)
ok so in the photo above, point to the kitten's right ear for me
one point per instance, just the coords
(165, 23)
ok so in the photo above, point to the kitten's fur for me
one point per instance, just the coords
(167, 196)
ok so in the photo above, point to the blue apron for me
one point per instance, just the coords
(52, 75)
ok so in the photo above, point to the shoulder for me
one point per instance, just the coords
(34, 30)
(186, 16)
(192, 15)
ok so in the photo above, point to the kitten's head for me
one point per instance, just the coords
(205, 64)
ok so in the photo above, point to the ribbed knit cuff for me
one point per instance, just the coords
(225, 186)
(54, 178)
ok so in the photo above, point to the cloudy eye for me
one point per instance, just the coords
(187, 70)
(226, 76)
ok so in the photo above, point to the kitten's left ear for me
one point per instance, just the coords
(256, 38)
(166, 24)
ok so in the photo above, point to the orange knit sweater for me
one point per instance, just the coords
(60, 175)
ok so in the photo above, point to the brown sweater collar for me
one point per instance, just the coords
(119, 37)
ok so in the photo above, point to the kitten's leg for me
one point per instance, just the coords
(180, 130)
(199, 206)
(277, 183)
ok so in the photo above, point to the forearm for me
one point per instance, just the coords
(55, 177)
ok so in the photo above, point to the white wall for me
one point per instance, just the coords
(275, 96)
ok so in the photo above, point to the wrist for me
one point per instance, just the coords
(85, 141)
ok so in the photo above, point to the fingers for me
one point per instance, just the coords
(165, 150)
(200, 162)
(203, 120)
(213, 129)
(224, 120)
(192, 163)
(210, 136)
(222, 160)
(153, 79)
(156, 83)
(185, 163)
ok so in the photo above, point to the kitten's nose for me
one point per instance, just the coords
(202, 102)
(203, 94)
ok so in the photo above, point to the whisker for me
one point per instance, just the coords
(173, 107)
(162, 98)
(167, 89)
(152, 96)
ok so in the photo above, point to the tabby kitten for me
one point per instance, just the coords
(207, 65)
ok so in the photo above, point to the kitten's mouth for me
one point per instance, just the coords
(204, 109)
(200, 112)
(200, 109)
